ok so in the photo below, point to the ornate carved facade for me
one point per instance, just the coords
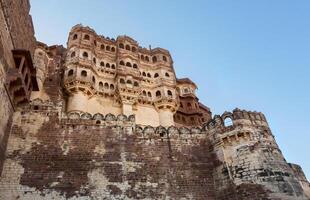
(191, 112)
(120, 77)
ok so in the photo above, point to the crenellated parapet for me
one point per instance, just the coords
(75, 119)
(237, 118)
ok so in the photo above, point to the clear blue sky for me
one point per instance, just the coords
(253, 55)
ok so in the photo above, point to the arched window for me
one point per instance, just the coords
(169, 93)
(95, 42)
(129, 82)
(94, 60)
(85, 55)
(143, 74)
(102, 64)
(70, 73)
(142, 57)
(107, 65)
(102, 47)
(121, 45)
(100, 85)
(113, 49)
(156, 75)
(106, 86)
(136, 84)
(83, 73)
(127, 47)
(147, 59)
(149, 75)
(154, 59)
(133, 49)
(73, 54)
(122, 81)
(228, 121)
(158, 93)
(113, 66)
(94, 80)
(144, 93)
(149, 94)
(86, 37)
(121, 62)
(108, 48)
(167, 74)
(111, 87)
(135, 66)
(165, 58)
(189, 105)
(128, 64)
(181, 105)
(75, 36)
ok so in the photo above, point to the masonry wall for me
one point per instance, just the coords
(50, 156)
(19, 23)
(248, 155)
(300, 175)
(16, 31)
(6, 60)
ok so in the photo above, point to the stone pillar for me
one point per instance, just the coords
(166, 117)
(127, 109)
(77, 102)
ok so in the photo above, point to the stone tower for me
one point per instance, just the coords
(248, 154)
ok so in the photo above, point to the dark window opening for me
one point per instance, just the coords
(85, 55)
(165, 58)
(70, 73)
(84, 73)
(158, 93)
(86, 37)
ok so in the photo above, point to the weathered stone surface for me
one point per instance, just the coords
(16, 32)
(99, 152)
(57, 159)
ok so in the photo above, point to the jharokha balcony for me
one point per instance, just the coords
(21, 79)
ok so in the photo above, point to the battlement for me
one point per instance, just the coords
(99, 120)
(230, 120)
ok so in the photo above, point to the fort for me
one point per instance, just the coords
(105, 118)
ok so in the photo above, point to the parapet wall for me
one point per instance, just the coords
(73, 156)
